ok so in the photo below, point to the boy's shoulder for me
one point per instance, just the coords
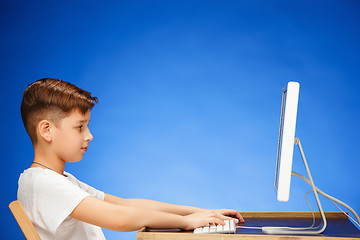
(42, 172)
(39, 179)
(42, 182)
(37, 172)
(39, 183)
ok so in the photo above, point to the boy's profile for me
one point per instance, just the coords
(56, 114)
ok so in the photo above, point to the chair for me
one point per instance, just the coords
(23, 220)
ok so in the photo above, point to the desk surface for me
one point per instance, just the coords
(339, 227)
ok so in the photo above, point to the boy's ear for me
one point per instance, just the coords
(44, 130)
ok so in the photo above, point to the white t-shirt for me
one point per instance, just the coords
(48, 198)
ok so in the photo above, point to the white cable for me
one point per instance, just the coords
(331, 198)
(311, 227)
(340, 210)
(345, 213)
(313, 218)
(249, 227)
(312, 212)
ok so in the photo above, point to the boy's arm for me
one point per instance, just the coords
(125, 218)
(151, 204)
(167, 207)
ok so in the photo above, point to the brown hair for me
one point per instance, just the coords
(52, 99)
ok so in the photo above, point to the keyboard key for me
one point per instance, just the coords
(230, 227)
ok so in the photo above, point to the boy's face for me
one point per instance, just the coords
(71, 138)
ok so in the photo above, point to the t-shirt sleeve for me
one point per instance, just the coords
(91, 190)
(55, 198)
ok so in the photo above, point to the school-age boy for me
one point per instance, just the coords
(56, 114)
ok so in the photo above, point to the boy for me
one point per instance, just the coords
(56, 114)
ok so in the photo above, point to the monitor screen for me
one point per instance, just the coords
(286, 140)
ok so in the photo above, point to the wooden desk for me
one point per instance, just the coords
(339, 227)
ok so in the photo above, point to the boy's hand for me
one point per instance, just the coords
(202, 218)
(216, 216)
(230, 214)
(227, 214)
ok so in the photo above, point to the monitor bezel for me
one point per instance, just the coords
(286, 140)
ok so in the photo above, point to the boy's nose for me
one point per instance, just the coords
(89, 136)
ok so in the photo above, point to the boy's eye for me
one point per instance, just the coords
(80, 127)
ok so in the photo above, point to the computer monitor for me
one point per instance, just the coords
(286, 140)
(286, 143)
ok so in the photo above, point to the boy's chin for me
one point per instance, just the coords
(74, 160)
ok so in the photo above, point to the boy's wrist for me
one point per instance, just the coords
(192, 210)
(186, 225)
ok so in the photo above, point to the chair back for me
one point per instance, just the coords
(23, 220)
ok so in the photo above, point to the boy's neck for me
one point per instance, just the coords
(48, 161)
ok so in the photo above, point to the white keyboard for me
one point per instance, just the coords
(230, 227)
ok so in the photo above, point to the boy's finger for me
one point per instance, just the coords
(231, 218)
(218, 221)
(241, 219)
(235, 214)
(238, 216)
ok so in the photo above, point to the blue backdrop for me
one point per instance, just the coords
(190, 95)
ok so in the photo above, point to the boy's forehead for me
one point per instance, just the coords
(78, 116)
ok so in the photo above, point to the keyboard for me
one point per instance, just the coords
(230, 227)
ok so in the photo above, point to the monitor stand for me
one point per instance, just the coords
(305, 230)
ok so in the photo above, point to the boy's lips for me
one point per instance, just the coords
(84, 148)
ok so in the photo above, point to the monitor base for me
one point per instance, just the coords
(310, 230)
(289, 231)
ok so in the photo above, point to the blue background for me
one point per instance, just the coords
(190, 95)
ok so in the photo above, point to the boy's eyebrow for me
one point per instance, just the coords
(83, 121)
